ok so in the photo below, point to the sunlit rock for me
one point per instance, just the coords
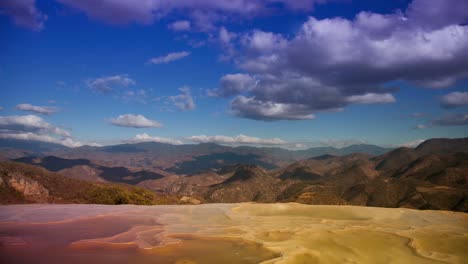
(230, 233)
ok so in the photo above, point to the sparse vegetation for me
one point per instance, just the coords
(404, 177)
(65, 190)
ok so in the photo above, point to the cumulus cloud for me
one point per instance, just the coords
(45, 110)
(233, 84)
(107, 84)
(28, 136)
(237, 140)
(204, 13)
(331, 63)
(371, 98)
(457, 119)
(225, 37)
(23, 13)
(413, 144)
(30, 123)
(1, 108)
(420, 126)
(454, 99)
(135, 121)
(183, 101)
(263, 42)
(252, 108)
(181, 25)
(147, 138)
(227, 40)
(31, 127)
(169, 57)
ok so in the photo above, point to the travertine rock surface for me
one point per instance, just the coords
(230, 233)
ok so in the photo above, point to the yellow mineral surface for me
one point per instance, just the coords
(230, 233)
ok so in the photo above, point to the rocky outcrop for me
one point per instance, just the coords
(248, 183)
(29, 184)
(32, 190)
(190, 200)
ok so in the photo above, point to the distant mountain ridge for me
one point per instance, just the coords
(39, 146)
(432, 176)
(30, 145)
(199, 158)
(181, 159)
(102, 173)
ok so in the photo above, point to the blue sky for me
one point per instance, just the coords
(285, 73)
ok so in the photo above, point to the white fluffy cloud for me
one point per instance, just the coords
(371, 98)
(225, 37)
(420, 126)
(233, 84)
(183, 101)
(331, 63)
(147, 138)
(135, 121)
(45, 110)
(454, 99)
(412, 144)
(181, 25)
(28, 136)
(263, 42)
(251, 108)
(30, 123)
(107, 84)
(31, 127)
(240, 139)
(169, 57)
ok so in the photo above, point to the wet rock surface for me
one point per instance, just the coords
(230, 233)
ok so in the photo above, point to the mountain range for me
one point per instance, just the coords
(22, 183)
(431, 176)
(180, 159)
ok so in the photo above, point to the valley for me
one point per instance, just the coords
(433, 175)
(233, 132)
